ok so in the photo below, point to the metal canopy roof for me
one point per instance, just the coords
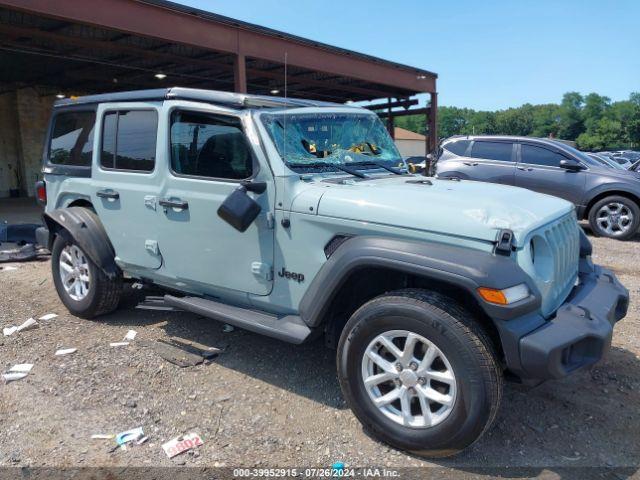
(114, 45)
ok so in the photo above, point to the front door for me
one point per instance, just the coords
(539, 170)
(126, 175)
(209, 156)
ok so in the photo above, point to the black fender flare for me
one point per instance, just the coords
(465, 268)
(85, 228)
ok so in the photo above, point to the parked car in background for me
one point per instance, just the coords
(608, 198)
(619, 159)
(605, 161)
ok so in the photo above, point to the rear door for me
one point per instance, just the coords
(539, 170)
(126, 181)
(492, 161)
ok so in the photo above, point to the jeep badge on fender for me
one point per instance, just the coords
(402, 275)
(298, 277)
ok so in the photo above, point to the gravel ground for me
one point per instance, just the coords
(267, 403)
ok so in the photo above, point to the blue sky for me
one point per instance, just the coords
(488, 54)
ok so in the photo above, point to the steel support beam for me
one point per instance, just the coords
(240, 74)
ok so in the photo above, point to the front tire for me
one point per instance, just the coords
(419, 372)
(84, 288)
(614, 217)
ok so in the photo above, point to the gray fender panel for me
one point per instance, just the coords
(463, 267)
(86, 229)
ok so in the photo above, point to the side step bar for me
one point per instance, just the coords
(289, 328)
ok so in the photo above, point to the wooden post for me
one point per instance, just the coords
(240, 74)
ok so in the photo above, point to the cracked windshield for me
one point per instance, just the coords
(326, 139)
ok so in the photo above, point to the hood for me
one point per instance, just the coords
(469, 209)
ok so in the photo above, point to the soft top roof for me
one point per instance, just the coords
(233, 100)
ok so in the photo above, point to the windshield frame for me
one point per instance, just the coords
(321, 164)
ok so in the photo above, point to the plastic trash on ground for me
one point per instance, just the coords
(132, 435)
(130, 336)
(118, 344)
(48, 316)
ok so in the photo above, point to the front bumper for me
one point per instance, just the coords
(580, 332)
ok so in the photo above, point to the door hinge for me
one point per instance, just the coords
(263, 270)
(150, 201)
(152, 246)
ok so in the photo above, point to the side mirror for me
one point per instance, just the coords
(571, 165)
(240, 210)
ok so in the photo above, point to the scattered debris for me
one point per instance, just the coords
(129, 436)
(198, 348)
(130, 336)
(19, 233)
(142, 440)
(118, 344)
(182, 444)
(8, 268)
(155, 303)
(102, 436)
(48, 316)
(228, 328)
(66, 351)
(181, 352)
(17, 372)
(27, 325)
(22, 254)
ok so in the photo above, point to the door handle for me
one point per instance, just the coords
(471, 164)
(525, 169)
(111, 194)
(175, 203)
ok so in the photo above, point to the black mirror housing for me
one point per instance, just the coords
(571, 165)
(239, 210)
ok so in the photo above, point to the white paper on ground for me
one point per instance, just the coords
(131, 334)
(22, 368)
(118, 344)
(9, 268)
(102, 436)
(28, 325)
(48, 316)
(10, 377)
(9, 330)
(65, 351)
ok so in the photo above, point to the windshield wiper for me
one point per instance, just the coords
(381, 165)
(336, 166)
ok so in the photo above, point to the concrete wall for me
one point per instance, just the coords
(24, 117)
(411, 148)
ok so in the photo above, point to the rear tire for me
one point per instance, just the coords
(457, 395)
(84, 288)
(614, 217)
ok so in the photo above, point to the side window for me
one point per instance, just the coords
(129, 140)
(72, 139)
(457, 148)
(500, 151)
(540, 156)
(206, 145)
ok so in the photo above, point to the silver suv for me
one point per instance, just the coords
(608, 198)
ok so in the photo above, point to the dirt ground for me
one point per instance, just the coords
(267, 403)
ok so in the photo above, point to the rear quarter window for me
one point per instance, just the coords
(500, 151)
(457, 148)
(71, 141)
